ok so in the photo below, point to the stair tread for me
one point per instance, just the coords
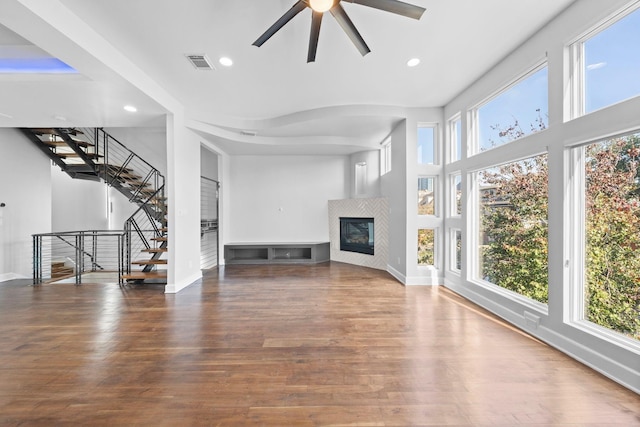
(159, 239)
(53, 131)
(60, 143)
(150, 262)
(76, 155)
(141, 275)
(115, 168)
(155, 250)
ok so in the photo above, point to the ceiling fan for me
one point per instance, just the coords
(319, 7)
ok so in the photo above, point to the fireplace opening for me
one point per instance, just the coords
(356, 235)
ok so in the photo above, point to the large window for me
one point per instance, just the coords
(611, 228)
(612, 64)
(512, 236)
(520, 110)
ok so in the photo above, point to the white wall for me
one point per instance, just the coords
(77, 204)
(283, 198)
(394, 188)
(25, 188)
(183, 182)
(150, 143)
(372, 182)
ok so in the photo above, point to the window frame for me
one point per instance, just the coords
(436, 149)
(574, 309)
(473, 240)
(576, 48)
(455, 137)
(435, 248)
(436, 205)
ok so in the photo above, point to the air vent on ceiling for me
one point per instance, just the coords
(248, 132)
(201, 62)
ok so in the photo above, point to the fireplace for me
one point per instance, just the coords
(356, 235)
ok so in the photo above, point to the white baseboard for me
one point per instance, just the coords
(174, 288)
(395, 273)
(5, 277)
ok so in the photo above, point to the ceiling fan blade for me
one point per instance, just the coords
(296, 9)
(393, 6)
(316, 20)
(343, 19)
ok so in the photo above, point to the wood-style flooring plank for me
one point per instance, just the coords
(284, 345)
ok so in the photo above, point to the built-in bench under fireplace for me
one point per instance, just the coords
(356, 235)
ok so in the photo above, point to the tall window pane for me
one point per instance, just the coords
(426, 196)
(457, 250)
(456, 194)
(426, 146)
(612, 63)
(455, 138)
(612, 234)
(519, 111)
(385, 159)
(426, 246)
(513, 227)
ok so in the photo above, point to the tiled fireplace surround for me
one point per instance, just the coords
(378, 209)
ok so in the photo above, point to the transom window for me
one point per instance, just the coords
(520, 110)
(611, 65)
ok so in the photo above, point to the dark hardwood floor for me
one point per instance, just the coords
(324, 345)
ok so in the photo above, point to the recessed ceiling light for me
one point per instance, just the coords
(130, 108)
(413, 62)
(227, 62)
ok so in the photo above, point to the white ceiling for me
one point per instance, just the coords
(341, 103)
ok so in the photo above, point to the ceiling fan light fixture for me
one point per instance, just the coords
(321, 5)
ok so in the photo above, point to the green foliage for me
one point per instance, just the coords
(613, 235)
(426, 241)
(514, 225)
(514, 221)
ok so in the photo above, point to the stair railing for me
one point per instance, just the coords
(123, 169)
(88, 251)
(143, 226)
(142, 184)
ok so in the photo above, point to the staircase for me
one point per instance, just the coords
(92, 154)
(60, 271)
